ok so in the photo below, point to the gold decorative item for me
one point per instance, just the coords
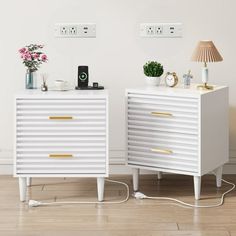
(206, 52)
(171, 79)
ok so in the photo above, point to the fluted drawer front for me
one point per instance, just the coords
(163, 132)
(163, 113)
(61, 136)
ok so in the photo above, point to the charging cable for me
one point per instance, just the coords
(139, 195)
(33, 203)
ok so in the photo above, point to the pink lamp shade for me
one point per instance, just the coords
(206, 52)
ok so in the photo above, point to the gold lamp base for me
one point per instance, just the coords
(205, 86)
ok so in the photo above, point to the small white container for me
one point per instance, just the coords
(153, 81)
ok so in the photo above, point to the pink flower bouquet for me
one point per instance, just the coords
(32, 56)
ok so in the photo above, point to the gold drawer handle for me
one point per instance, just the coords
(163, 151)
(60, 117)
(164, 114)
(60, 155)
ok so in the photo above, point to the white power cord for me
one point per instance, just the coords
(33, 203)
(139, 195)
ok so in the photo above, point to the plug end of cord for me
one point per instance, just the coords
(139, 195)
(33, 203)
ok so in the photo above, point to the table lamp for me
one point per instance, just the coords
(206, 52)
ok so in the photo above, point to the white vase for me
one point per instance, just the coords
(153, 81)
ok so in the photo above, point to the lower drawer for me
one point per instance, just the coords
(85, 162)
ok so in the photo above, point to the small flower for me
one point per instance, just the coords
(22, 50)
(44, 58)
(36, 55)
(27, 56)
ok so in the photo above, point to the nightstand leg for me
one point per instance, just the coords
(218, 173)
(197, 187)
(100, 188)
(29, 181)
(135, 179)
(22, 188)
(159, 175)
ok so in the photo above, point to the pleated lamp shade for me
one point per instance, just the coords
(206, 52)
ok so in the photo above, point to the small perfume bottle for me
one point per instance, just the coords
(187, 79)
(44, 86)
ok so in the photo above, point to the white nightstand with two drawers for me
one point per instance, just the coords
(176, 130)
(61, 134)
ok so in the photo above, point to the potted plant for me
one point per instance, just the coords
(153, 70)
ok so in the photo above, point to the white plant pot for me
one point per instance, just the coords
(153, 81)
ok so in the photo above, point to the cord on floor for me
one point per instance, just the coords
(33, 203)
(139, 195)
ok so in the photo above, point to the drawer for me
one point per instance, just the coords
(163, 113)
(53, 118)
(89, 161)
(163, 150)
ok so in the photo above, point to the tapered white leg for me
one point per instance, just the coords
(22, 188)
(29, 181)
(197, 186)
(135, 179)
(100, 188)
(159, 175)
(218, 173)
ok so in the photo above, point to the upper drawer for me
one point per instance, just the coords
(56, 113)
(165, 113)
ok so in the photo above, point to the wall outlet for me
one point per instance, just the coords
(150, 29)
(63, 30)
(161, 30)
(75, 30)
(72, 30)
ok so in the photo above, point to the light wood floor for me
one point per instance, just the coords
(134, 218)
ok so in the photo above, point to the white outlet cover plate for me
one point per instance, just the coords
(168, 30)
(75, 30)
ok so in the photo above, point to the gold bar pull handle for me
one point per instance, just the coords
(60, 155)
(162, 151)
(60, 117)
(163, 114)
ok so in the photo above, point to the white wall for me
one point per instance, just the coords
(115, 57)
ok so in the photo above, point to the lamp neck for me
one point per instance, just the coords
(205, 64)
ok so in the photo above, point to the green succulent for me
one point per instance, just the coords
(153, 69)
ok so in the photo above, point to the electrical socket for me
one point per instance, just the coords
(161, 30)
(63, 30)
(72, 30)
(75, 30)
(150, 30)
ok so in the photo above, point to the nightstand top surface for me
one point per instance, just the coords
(176, 91)
(62, 94)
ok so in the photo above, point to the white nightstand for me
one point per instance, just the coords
(61, 134)
(176, 130)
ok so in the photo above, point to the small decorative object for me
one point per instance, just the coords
(171, 79)
(153, 70)
(44, 86)
(206, 52)
(32, 58)
(61, 85)
(187, 79)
